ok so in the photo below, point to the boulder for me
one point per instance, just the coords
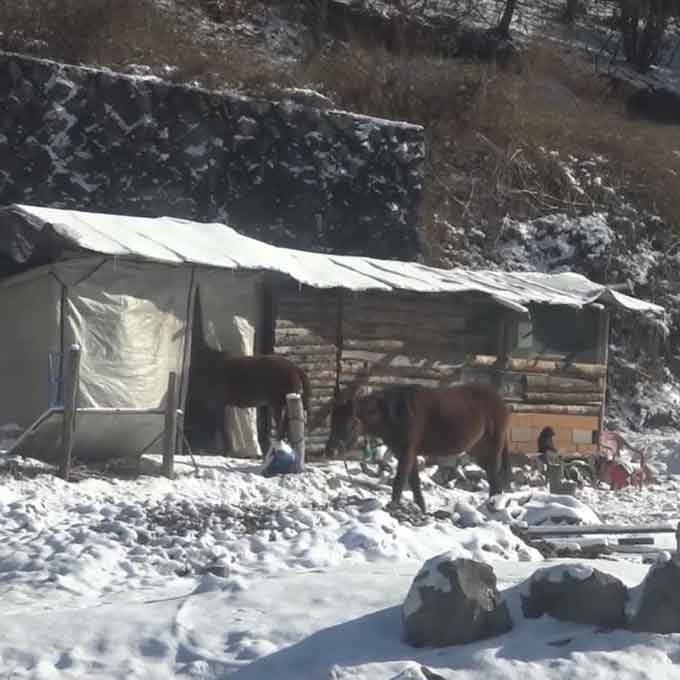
(655, 605)
(453, 601)
(576, 593)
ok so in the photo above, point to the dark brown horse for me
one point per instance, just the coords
(219, 380)
(414, 420)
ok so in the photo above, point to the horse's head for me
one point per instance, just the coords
(346, 424)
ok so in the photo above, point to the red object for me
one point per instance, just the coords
(615, 474)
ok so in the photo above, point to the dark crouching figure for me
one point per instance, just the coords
(414, 420)
(546, 444)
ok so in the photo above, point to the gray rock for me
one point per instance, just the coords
(576, 593)
(453, 601)
(655, 606)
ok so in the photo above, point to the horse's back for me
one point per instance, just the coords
(251, 380)
(456, 418)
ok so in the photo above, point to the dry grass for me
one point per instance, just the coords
(96, 31)
(117, 33)
(489, 131)
(488, 128)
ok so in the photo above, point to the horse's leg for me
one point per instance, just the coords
(226, 432)
(284, 421)
(407, 458)
(488, 455)
(414, 483)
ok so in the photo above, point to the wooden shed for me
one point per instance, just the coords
(125, 289)
(546, 354)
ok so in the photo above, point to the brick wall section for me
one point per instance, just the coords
(570, 432)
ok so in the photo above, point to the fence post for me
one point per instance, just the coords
(68, 424)
(296, 425)
(170, 432)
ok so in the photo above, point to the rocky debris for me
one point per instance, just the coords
(453, 601)
(187, 518)
(576, 593)
(465, 515)
(528, 475)
(655, 605)
(408, 513)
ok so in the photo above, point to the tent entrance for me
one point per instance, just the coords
(224, 317)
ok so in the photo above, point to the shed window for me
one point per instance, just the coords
(558, 332)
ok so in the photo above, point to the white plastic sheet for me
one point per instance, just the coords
(129, 319)
(230, 314)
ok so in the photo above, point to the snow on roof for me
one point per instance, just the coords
(168, 239)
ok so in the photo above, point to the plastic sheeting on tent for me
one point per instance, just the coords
(30, 307)
(230, 314)
(130, 319)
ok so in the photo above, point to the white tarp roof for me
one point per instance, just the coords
(168, 239)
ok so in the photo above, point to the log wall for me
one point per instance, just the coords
(306, 324)
(396, 338)
(379, 339)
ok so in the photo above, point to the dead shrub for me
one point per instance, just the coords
(110, 32)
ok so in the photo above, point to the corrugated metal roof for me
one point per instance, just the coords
(167, 239)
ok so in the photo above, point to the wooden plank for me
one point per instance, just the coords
(315, 324)
(313, 364)
(537, 366)
(170, 429)
(603, 348)
(436, 321)
(412, 333)
(303, 336)
(68, 425)
(559, 409)
(563, 397)
(400, 344)
(585, 530)
(374, 301)
(538, 382)
(404, 374)
(321, 380)
(440, 364)
(307, 350)
(385, 381)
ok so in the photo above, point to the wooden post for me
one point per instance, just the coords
(296, 425)
(554, 474)
(603, 358)
(68, 425)
(170, 432)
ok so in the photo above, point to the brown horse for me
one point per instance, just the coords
(219, 380)
(414, 420)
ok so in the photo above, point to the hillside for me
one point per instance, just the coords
(540, 159)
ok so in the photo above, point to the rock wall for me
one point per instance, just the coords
(324, 180)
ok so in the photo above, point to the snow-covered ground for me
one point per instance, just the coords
(227, 573)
